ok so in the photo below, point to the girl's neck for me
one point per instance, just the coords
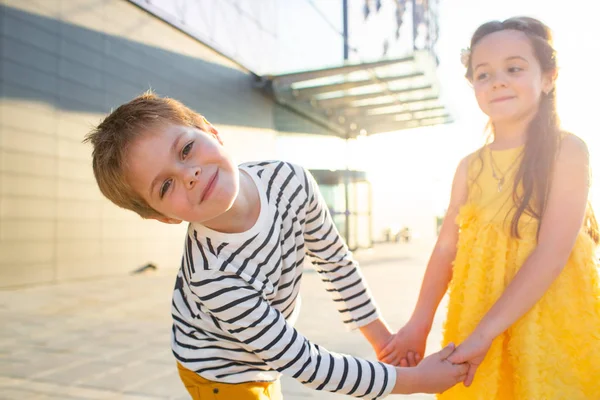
(509, 134)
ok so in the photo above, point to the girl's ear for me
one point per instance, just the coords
(549, 81)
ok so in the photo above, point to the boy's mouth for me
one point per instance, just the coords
(209, 186)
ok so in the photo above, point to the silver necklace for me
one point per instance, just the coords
(500, 179)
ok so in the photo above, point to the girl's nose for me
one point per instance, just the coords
(499, 81)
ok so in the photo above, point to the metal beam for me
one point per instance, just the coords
(344, 100)
(341, 116)
(365, 119)
(305, 93)
(401, 125)
(363, 110)
(295, 77)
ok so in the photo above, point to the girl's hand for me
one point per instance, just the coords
(472, 351)
(405, 348)
(434, 374)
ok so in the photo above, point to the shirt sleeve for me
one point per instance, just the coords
(240, 310)
(334, 262)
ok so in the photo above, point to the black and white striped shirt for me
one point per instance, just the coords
(237, 295)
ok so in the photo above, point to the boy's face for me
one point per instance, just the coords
(183, 172)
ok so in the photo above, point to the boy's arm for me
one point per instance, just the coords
(249, 320)
(339, 271)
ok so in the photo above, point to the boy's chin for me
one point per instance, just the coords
(167, 220)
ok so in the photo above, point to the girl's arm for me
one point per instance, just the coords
(561, 223)
(559, 228)
(439, 268)
(407, 346)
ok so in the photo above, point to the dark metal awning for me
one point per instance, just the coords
(366, 98)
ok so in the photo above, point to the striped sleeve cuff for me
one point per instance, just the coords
(391, 381)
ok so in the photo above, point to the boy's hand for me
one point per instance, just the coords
(472, 352)
(434, 374)
(405, 348)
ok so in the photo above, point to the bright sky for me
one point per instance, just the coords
(411, 171)
(417, 185)
(574, 25)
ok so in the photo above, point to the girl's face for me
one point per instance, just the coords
(507, 77)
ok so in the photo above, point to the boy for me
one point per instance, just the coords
(236, 295)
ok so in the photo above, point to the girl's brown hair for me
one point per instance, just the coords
(534, 173)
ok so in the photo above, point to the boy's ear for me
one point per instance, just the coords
(212, 130)
(167, 220)
(215, 133)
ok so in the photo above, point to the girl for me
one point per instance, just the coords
(517, 246)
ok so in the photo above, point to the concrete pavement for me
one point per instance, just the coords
(109, 338)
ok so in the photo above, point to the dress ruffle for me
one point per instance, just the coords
(553, 351)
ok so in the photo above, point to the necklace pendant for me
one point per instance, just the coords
(500, 184)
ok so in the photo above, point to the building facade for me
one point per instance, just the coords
(66, 63)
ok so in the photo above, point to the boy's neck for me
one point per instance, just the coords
(244, 212)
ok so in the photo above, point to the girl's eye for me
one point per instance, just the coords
(164, 188)
(186, 150)
(514, 69)
(481, 76)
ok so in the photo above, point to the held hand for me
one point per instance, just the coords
(377, 333)
(405, 348)
(472, 351)
(434, 374)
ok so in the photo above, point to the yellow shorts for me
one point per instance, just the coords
(203, 389)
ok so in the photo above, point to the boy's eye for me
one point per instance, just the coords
(186, 150)
(164, 188)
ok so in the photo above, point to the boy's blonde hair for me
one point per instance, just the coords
(112, 138)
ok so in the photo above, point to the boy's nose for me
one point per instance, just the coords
(192, 176)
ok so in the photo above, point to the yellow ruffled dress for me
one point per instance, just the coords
(553, 351)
